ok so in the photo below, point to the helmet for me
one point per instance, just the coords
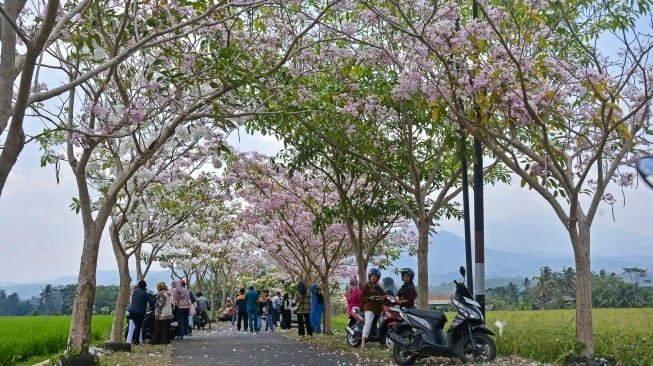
(376, 271)
(410, 273)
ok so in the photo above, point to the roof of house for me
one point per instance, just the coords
(439, 299)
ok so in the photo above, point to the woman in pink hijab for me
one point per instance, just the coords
(353, 295)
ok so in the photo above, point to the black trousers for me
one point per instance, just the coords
(138, 324)
(304, 320)
(242, 317)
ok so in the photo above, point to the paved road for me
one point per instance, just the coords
(224, 346)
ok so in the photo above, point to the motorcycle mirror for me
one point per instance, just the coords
(462, 271)
(645, 169)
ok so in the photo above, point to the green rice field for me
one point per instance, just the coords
(624, 335)
(24, 337)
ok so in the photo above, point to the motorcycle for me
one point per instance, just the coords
(148, 325)
(420, 334)
(200, 320)
(389, 318)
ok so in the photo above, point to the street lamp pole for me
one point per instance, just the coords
(479, 231)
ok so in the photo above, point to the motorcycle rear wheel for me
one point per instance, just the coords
(352, 341)
(486, 350)
(403, 357)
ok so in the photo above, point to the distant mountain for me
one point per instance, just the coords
(25, 291)
(447, 254)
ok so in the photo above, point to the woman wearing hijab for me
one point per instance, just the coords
(286, 315)
(317, 308)
(303, 305)
(353, 297)
(162, 315)
(181, 301)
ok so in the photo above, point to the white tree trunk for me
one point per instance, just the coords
(79, 336)
(122, 259)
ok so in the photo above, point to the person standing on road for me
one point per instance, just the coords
(286, 316)
(241, 304)
(191, 308)
(162, 315)
(251, 299)
(369, 305)
(303, 306)
(233, 310)
(276, 304)
(138, 306)
(181, 301)
(317, 308)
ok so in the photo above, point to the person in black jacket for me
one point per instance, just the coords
(241, 305)
(286, 315)
(137, 308)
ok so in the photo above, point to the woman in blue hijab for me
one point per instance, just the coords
(317, 308)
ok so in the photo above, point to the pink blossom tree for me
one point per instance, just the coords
(535, 84)
(283, 213)
(186, 65)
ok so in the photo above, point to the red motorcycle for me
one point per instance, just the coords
(389, 317)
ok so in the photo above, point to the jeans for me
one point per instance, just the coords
(251, 319)
(272, 320)
(181, 314)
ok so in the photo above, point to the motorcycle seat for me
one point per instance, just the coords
(435, 315)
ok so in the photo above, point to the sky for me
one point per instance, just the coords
(41, 238)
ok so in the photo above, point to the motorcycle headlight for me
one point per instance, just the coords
(467, 311)
(420, 321)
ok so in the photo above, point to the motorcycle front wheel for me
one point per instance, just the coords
(402, 356)
(485, 350)
(352, 340)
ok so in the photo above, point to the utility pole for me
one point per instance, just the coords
(479, 226)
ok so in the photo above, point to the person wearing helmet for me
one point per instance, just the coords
(407, 293)
(369, 305)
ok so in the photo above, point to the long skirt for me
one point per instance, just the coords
(285, 319)
(161, 333)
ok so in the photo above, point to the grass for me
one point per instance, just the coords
(26, 340)
(621, 335)
(550, 336)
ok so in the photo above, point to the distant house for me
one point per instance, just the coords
(439, 301)
(569, 301)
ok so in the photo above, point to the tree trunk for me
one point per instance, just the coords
(15, 139)
(125, 286)
(423, 266)
(584, 328)
(80, 327)
(326, 292)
